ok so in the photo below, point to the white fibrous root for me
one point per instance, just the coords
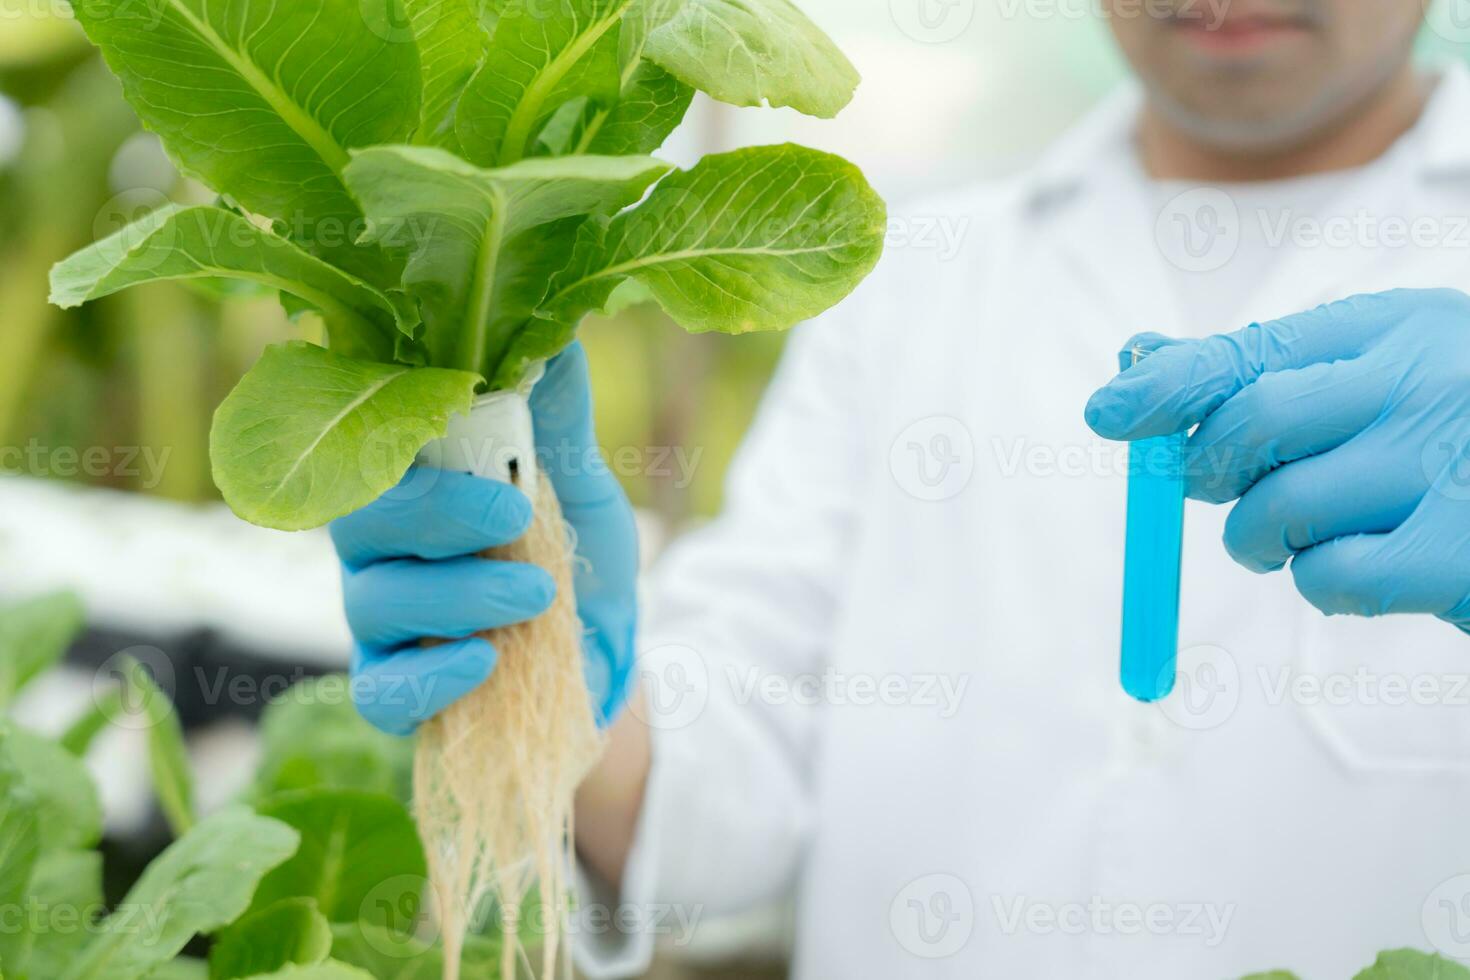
(495, 774)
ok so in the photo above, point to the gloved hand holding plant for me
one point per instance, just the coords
(411, 570)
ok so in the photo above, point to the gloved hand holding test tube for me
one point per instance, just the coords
(1339, 435)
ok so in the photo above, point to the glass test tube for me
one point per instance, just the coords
(1151, 563)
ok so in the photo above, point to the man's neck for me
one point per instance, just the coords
(1373, 127)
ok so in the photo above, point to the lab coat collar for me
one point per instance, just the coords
(1447, 138)
(1108, 130)
(1092, 186)
(1101, 135)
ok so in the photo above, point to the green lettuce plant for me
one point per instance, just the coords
(317, 873)
(452, 185)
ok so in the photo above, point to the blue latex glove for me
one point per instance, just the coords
(410, 569)
(1344, 432)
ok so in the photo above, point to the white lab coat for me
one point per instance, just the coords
(921, 504)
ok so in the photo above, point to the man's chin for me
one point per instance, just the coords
(1254, 121)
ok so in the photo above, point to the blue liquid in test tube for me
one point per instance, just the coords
(1151, 564)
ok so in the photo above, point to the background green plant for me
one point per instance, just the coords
(315, 874)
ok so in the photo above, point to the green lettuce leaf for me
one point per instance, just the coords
(540, 57)
(754, 52)
(288, 932)
(201, 882)
(757, 239)
(476, 273)
(396, 954)
(186, 243)
(530, 264)
(314, 738)
(106, 706)
(1410, 964)
(360, 858)
(651, 102)
(20, 848)
(262, 101)
(451, 48)
(309, 436)
(329, 970)
(181, 968)
(67, 807)
(652, 105)
(168, 760)
(70, 880)
(35, 634)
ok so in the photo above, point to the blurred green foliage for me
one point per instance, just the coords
(82, 391)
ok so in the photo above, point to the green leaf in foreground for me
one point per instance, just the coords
(285, 933)
(651, 102)
(208, 243)
(309, 435)
(393, 955)
(34, 635)
(20, 847)
(651, 107)
(320, 971)
(262, 101)
(540, 57)
(106, 706)
(69, 885)
(201, 882)
(465, 271)
(68, 812)
(1272, 975)
(168, 760)
(314, 738)
(757, 239)
(451, 46)
(1410, 964)
(183, 968)
(360, 858)
(754, 52)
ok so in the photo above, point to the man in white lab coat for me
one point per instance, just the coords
(886, 678)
